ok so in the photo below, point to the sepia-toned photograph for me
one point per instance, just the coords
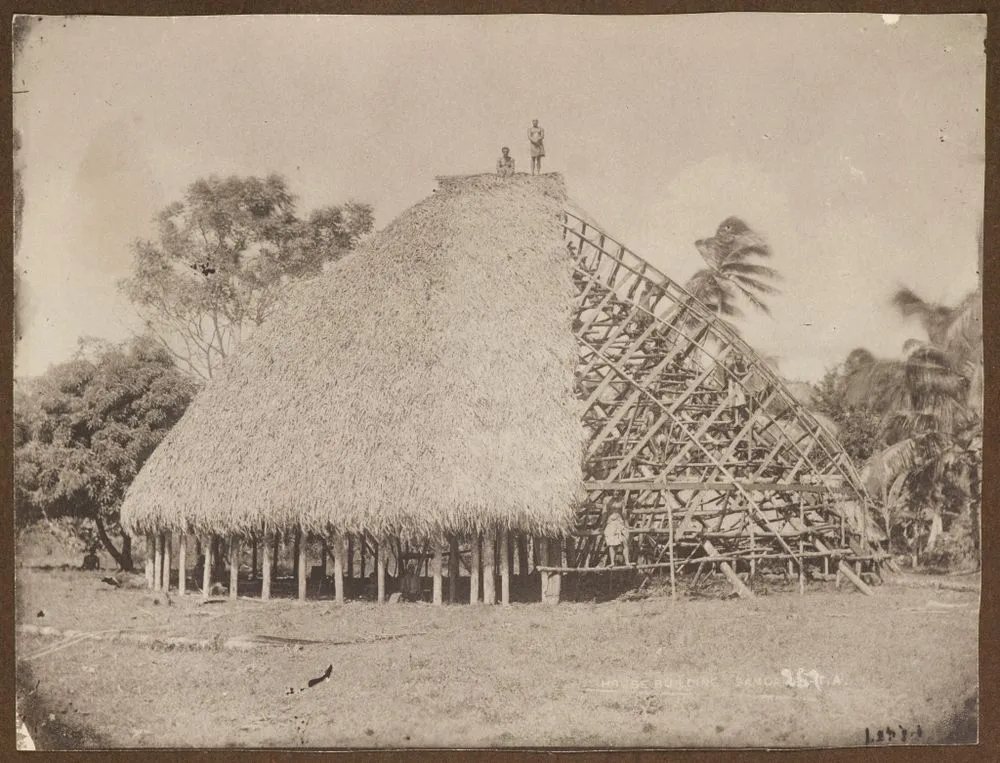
(499, 381)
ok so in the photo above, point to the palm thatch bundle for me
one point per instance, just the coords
(422, 385)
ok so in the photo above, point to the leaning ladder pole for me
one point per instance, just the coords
(729, 572)
(845, 569)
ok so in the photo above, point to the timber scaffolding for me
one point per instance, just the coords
(695, 440)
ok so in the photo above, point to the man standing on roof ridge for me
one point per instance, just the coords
(537, 137)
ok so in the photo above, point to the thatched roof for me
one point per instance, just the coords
(423, 384)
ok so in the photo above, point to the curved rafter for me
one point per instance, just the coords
(691, 435)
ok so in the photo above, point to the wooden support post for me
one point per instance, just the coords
(253, 559)
(206, 575)
(267, 549)
(275, 553)
(802, 566)
(670, 540)
(303, 571)
(727, 570)
(453, 568)
(536, 557)
(182, 564)
(296, 548)
(381, 556)
(505, 567)
(349, 559)
(150, 561)
(551, 549)
(338, 568)
(158, 562)
(476, 567)
(234, 567)
(436, 573)
(522, 557)
(511, 544)
(362, 554)
(489, 560)
(168, 551)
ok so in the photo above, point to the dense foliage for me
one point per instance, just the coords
(915, 424)
(84, 429)
(223, 259)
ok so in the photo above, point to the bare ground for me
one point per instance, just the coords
(697, 672)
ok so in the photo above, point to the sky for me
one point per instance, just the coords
(854, 143)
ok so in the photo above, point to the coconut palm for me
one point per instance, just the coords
(930, 404)
(732, 274)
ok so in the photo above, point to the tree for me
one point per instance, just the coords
(731, 275)
(224, 258)
(84, 429)
(858, 429)
(927, 467)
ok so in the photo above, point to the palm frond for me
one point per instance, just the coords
(709, 251)
(756, 285)
(883, 468)
(754, 300)
(874, 384)
(935, 318)
(727, 308)
(964, 336)
(744, 251)
(751, 269)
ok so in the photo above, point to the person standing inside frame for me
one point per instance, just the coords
(616, 538)
(537, 137)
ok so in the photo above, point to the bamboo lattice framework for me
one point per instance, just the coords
(692, 437)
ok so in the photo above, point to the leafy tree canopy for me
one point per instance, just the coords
(84, 429)
(735, 271)
(223, 259)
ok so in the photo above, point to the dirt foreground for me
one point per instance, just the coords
(826, 668)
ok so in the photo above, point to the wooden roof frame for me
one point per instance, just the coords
(692, 436)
